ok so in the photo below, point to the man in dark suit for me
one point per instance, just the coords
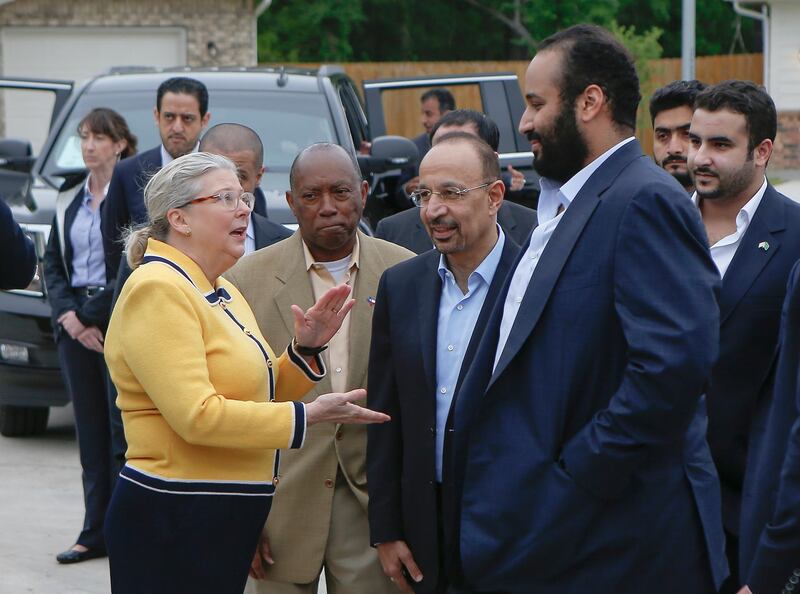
(770, 535)
(18, 264)
(406, 228)
(429, 315)
(671, 108)
(243, 146)
(754, 233)
(579, 461)
(181, 113)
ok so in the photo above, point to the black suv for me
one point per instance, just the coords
(288, 108)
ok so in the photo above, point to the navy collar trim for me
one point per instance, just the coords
(213, 297)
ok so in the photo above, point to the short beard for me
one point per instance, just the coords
(563, 148)
(730, 187)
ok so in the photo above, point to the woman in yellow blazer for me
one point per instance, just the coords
(205, 401)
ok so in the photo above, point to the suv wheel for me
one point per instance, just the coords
(19, 421)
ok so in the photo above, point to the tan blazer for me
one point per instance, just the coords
(272, 280)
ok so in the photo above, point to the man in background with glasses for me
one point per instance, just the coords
(243, 146)
(430, 313)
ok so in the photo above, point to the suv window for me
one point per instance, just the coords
(285, 121)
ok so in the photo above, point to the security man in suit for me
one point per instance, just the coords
(754, 233)
(243, 146)
(430, 313)
(18, 265)
(406, 228)
(579, 461)
(319, 515)
(671, 109)
(181, 113)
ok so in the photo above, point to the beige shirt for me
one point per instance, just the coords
(337, 357)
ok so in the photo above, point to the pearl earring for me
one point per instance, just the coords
(188, 232)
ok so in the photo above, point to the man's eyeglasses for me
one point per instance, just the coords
(422, 197)
(229, 200)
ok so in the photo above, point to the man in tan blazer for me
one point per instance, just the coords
(319, 514)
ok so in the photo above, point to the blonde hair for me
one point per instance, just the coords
(175, 185)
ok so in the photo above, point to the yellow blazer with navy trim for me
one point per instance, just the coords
(195, 377)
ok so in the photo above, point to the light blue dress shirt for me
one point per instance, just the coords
(88, 257)
(458, 314)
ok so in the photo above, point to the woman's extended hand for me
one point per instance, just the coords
(316, 327)
(339, 408)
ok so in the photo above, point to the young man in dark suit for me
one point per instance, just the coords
(579, 460)
(429, 315)
(181, 113)
(754, 233)
(406, 228)
(243, 146)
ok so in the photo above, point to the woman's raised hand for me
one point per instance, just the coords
(315, 327)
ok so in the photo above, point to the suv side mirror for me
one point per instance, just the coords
(16, 155)
(388, 152)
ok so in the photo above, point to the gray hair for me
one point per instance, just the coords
(175, 185)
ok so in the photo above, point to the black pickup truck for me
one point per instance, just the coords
(289, 108)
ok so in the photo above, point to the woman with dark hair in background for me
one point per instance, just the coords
(75, 273)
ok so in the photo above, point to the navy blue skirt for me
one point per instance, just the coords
(173, 536)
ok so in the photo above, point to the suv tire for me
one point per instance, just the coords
(20, 421)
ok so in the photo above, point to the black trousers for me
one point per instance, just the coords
(119, 445)
(85, 374)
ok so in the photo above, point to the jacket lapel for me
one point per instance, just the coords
(751, 257)
(558, 250)
(429, 293)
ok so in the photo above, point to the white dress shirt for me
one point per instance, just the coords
(250, 237)
(551, 199)
(723, 251)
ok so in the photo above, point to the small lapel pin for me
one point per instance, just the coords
(763, 245)
(371, 300)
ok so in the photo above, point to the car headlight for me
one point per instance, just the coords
(39, 234)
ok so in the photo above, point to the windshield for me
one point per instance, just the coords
(285, 121)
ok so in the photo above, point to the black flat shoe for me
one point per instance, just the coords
(73, 556)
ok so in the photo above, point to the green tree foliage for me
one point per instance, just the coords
(407, 30)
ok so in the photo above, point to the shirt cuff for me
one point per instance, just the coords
(303, 365)
(299, 426)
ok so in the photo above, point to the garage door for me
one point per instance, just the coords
(73, 53)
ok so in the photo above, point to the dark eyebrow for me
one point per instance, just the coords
(668, 129)
(532, 95)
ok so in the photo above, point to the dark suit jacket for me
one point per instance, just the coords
(124, 203)
(18, 264)
(94, 311)
(402, 382)
(266, 232)
(406, 229)
(770, 529)
(750, 301)
(571, 461)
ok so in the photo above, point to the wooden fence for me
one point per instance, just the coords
(402, 107)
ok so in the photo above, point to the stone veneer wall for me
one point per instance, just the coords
(230, 24)
(786, 154)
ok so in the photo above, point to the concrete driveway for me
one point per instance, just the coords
(41, 514)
